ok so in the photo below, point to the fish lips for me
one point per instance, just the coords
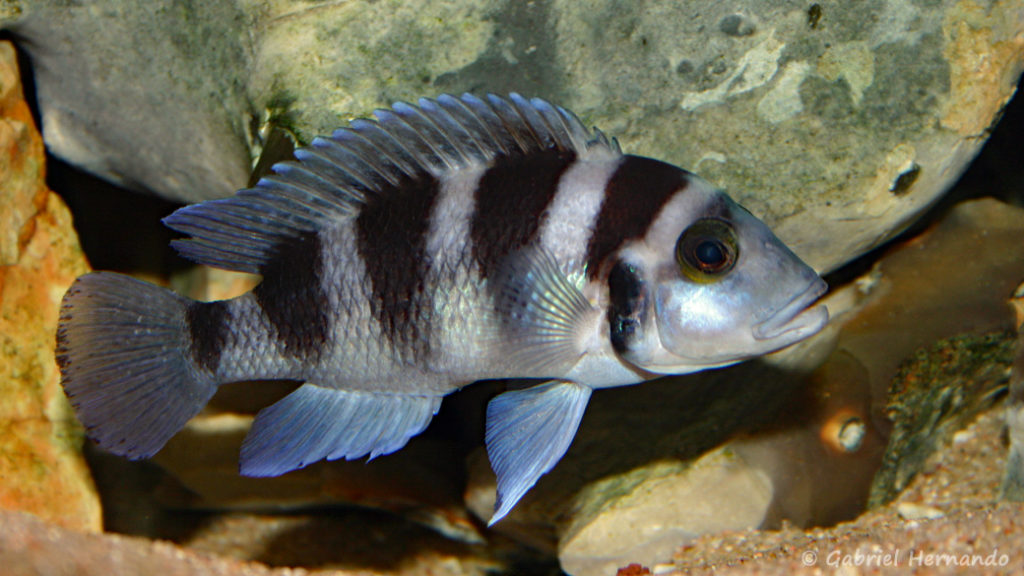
(796, 319)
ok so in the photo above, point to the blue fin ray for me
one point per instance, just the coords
(528, 432)
(471, 113)
(541, 314)
(125, 365)
(376, 147)
(356, 172)
(333, 177)
(442, 146)
(313, 423)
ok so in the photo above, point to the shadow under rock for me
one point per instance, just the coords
(682, 417)
(354, 538)
(129, 491)
(363, 539)
(119, 229)
(675, 418)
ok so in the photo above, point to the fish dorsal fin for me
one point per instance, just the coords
(334, 176)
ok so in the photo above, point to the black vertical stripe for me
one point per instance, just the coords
(511, 199)
(634, 195)
(391, 237)
(208, 325)
(627, 302)
(291, 295)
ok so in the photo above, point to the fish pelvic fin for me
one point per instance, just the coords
(528, 432)
(126, 362)
(315, 423)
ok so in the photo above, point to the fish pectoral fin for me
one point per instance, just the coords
(541, 314)
(528, 432)
(314, 422)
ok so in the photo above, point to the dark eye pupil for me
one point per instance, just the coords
(710, 254)
(707, 250)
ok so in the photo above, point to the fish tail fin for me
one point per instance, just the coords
(124, 355)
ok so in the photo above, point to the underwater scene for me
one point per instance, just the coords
(538, 288)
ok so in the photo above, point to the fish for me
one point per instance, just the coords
(408, 255)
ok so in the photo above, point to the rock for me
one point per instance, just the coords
(960, 482)
(935, 394)
(24, 196)
(339, 544)
(911, 299)
(914, 511)
(29, 547)
(420, 482)
(822, 451)
(639, 450)
(676, 502)
(353, 539)
(207, 284)
(1013, 478)
(41, 468)
(1017, 304)
(839, 123)
(149, 95)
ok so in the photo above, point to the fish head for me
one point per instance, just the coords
(711, 286)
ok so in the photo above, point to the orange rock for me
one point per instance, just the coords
(41, 466)
(21, 162)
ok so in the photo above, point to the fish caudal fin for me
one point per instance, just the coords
(125, 362)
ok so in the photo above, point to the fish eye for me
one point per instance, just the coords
(707, 250)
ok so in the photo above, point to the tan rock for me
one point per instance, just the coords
(974, 535)
(1017, 303)
(30, 547)
(21, 163)
(720, 491)
(419, 482)
(41, 467)
(810, 468)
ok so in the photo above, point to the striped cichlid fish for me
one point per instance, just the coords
(404, 257)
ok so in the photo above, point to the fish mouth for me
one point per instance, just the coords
(797, 319)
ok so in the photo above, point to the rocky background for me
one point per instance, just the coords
(846, 116)
(841, 123)
(41, 468)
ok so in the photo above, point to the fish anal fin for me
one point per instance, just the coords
(315, 423)
(528, 432)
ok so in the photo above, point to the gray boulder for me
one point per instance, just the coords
(838, 122)
(152, 96)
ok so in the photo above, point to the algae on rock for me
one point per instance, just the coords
(935, 394)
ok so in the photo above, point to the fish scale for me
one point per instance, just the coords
(438, 244)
